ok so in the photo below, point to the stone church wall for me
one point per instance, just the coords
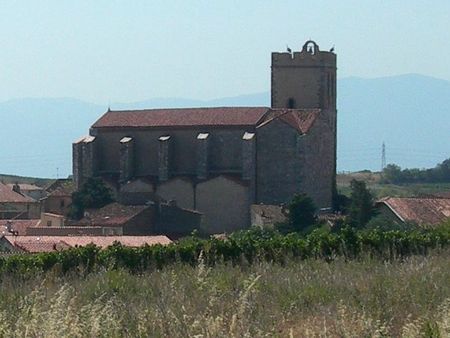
(289, 163)
(224, 150)
(318, 149)
(180, 190)
(278, 163)
(224, 203)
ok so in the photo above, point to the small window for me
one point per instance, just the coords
(62, 203)
(291, 103)
(49, 223)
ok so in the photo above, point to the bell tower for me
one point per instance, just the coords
(305, 79)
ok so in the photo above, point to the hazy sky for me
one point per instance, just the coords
(109, 51)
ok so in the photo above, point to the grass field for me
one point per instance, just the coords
(311, 298)
(382, 190)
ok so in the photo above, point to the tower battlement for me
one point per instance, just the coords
(310, 55)
(304, 79)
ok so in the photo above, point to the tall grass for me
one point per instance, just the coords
(311, 298)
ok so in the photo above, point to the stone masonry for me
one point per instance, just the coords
(220, 161)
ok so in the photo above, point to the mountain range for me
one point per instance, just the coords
(409, 113)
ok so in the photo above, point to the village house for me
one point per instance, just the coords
(15, 205)
(421, 211)
(30, 190)
(152, 218)
(58, 197)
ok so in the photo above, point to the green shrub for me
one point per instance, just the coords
(242, 247)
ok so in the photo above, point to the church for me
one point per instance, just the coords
(220, 161)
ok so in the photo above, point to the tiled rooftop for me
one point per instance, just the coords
(53, 243)
(113, 214)
(41, 246)
(26, 187)
(19, 225)
(8, 195)
(420, 210)
(61, 187)
(300, 119)
(183, 117)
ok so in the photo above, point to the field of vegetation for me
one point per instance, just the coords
(397, 182)
(381, 189)
(317, 281)
(242, 247)
(363, 297)
(253, 284)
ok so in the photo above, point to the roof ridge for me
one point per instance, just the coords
(182, 117)
(185, 108)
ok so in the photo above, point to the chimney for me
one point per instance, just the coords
(16, 188)
(8, 226)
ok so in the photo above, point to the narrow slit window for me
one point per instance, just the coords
(291, 103)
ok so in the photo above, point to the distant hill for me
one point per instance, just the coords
(11, 179)
(37, 134)
(258, 99)
(410, 113)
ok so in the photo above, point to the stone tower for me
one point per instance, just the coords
(305, 79)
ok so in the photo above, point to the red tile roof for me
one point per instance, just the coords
(8, 195)
(183, 117)
(25, 186)
(36, 247)
(420, 210)
(19, 225)
(300, 119)
(61, 192)
(113, 214)
(53, 243)
(61, 187)
(104, 241)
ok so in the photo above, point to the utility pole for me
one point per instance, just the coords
(383, 156)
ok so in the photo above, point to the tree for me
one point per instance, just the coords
(362, 204)
(301, 214)
(93, 194)
(341, 203)
(443, 171)
(392, 173)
